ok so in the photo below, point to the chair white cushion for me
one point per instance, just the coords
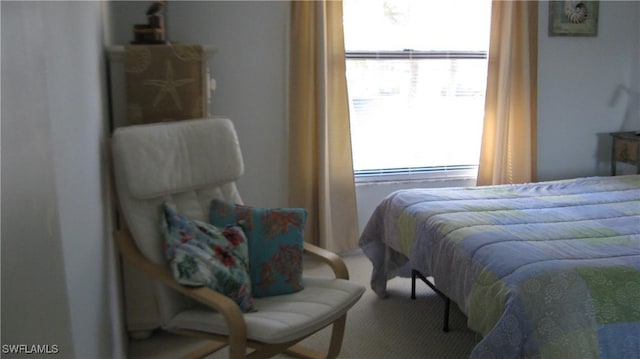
(166, 158)
(187, 163)
(283, 318)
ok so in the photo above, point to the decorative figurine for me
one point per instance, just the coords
(155, 8)
(153, 31)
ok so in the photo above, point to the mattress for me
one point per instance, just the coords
(548, 269)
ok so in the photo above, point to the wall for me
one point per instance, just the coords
(33, 278)
(578, 78)
(58, 281)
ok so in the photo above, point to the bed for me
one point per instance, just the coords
(549, 269)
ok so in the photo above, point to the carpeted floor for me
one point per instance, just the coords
(395, 327)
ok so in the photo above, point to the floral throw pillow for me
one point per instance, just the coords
(275, 244)
(201, 254)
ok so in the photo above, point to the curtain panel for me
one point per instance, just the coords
(509, 139)
(320, 163)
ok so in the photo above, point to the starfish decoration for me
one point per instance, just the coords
(168, 86)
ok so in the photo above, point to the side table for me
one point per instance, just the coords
(625, 148)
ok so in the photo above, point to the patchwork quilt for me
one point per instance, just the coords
(549, 269)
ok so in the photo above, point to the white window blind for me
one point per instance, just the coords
(416, 74)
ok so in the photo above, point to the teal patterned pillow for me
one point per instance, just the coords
(201, 254)
(275, 244)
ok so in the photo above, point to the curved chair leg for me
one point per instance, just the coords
(299, 351)
(202, 352)
(337, 334)
(237, 349)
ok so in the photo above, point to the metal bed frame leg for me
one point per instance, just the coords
(447, 302)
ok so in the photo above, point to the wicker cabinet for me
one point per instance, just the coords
(155, 83)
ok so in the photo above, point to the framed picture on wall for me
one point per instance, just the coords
(573, 18)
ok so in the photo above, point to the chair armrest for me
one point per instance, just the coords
(209, 297)
(333, 260)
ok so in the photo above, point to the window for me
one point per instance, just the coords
(416, 75)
